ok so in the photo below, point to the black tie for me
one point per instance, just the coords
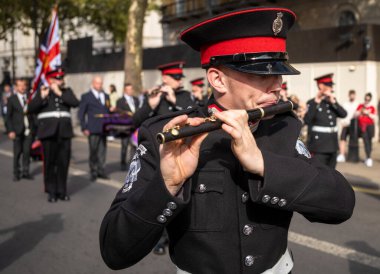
(100, 100)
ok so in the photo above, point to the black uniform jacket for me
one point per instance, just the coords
(323, 114)
(15, 116)
(55, 126)
(183, 101)
(206, 221)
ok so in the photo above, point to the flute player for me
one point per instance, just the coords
(227, 197)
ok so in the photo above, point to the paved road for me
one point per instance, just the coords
(38, 237)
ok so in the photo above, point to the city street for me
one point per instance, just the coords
(38, 237)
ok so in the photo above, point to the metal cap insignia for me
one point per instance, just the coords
(277, 24)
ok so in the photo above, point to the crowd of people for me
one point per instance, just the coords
(45, 119)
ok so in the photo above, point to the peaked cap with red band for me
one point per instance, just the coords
(174, 69)
(250, 40)
(56, 73)
(198, 82)
(325, 79)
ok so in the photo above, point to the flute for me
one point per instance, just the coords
(212, 123)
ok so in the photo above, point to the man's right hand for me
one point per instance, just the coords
(12, 135)
(154, 97)
(179, 159)
(86, 132)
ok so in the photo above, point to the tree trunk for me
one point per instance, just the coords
(133, 44)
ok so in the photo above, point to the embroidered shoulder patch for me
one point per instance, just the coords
(134, 169)
(301, 149)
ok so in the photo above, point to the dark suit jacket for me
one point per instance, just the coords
(49, 127)
(15, 117)
(88, 109)
(122, 105)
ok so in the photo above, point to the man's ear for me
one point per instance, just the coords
(165, 79)
(217, 80)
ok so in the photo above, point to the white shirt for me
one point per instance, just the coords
(350, 107)
(99, 95)
(131, 102)
(21, 98)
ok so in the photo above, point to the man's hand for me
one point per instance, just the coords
(12, 135)
(154, 97)
(44, 92)
(86, 132)
(169, 94)
(56, 89)
(330, 97)
(243, 145)
(179, 159)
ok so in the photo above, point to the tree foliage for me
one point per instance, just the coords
(107, 16)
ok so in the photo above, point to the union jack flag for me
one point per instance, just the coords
(49, 56)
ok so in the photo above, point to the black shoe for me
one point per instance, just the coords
(93, 178)
(103, 176)
(52, 198)
(28, 176)
(159, 249)
(16, 178)
(64, 197)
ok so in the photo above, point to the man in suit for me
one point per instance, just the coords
(127, 104)
(52, 105)
(321, 119)
(168, 97)
(20, 130)
(93, 103)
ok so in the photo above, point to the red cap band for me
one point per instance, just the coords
(172, 71)
(325, 80)
(196, 83)
(240, 45)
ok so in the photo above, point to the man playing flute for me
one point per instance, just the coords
(227, 197)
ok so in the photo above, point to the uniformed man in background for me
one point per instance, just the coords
(168, 97)
(197, 93)
(226, 197)
(52, 105)
(321, 119)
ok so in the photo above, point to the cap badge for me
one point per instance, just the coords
(269, 67)
(277, 24)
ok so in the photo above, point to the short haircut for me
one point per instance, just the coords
(352, 92)
(369, 94)
(127, 84)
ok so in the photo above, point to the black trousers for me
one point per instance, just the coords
(57, 152)
(21, 146)
(127, 150)
(329, 159)
(98, 150)
(367, 139)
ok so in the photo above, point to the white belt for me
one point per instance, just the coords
(54, 114)
(283, 266)
(324, 129)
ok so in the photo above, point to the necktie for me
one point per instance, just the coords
(26, 121)
(100, 100)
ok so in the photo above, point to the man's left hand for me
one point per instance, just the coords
(244, 147)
